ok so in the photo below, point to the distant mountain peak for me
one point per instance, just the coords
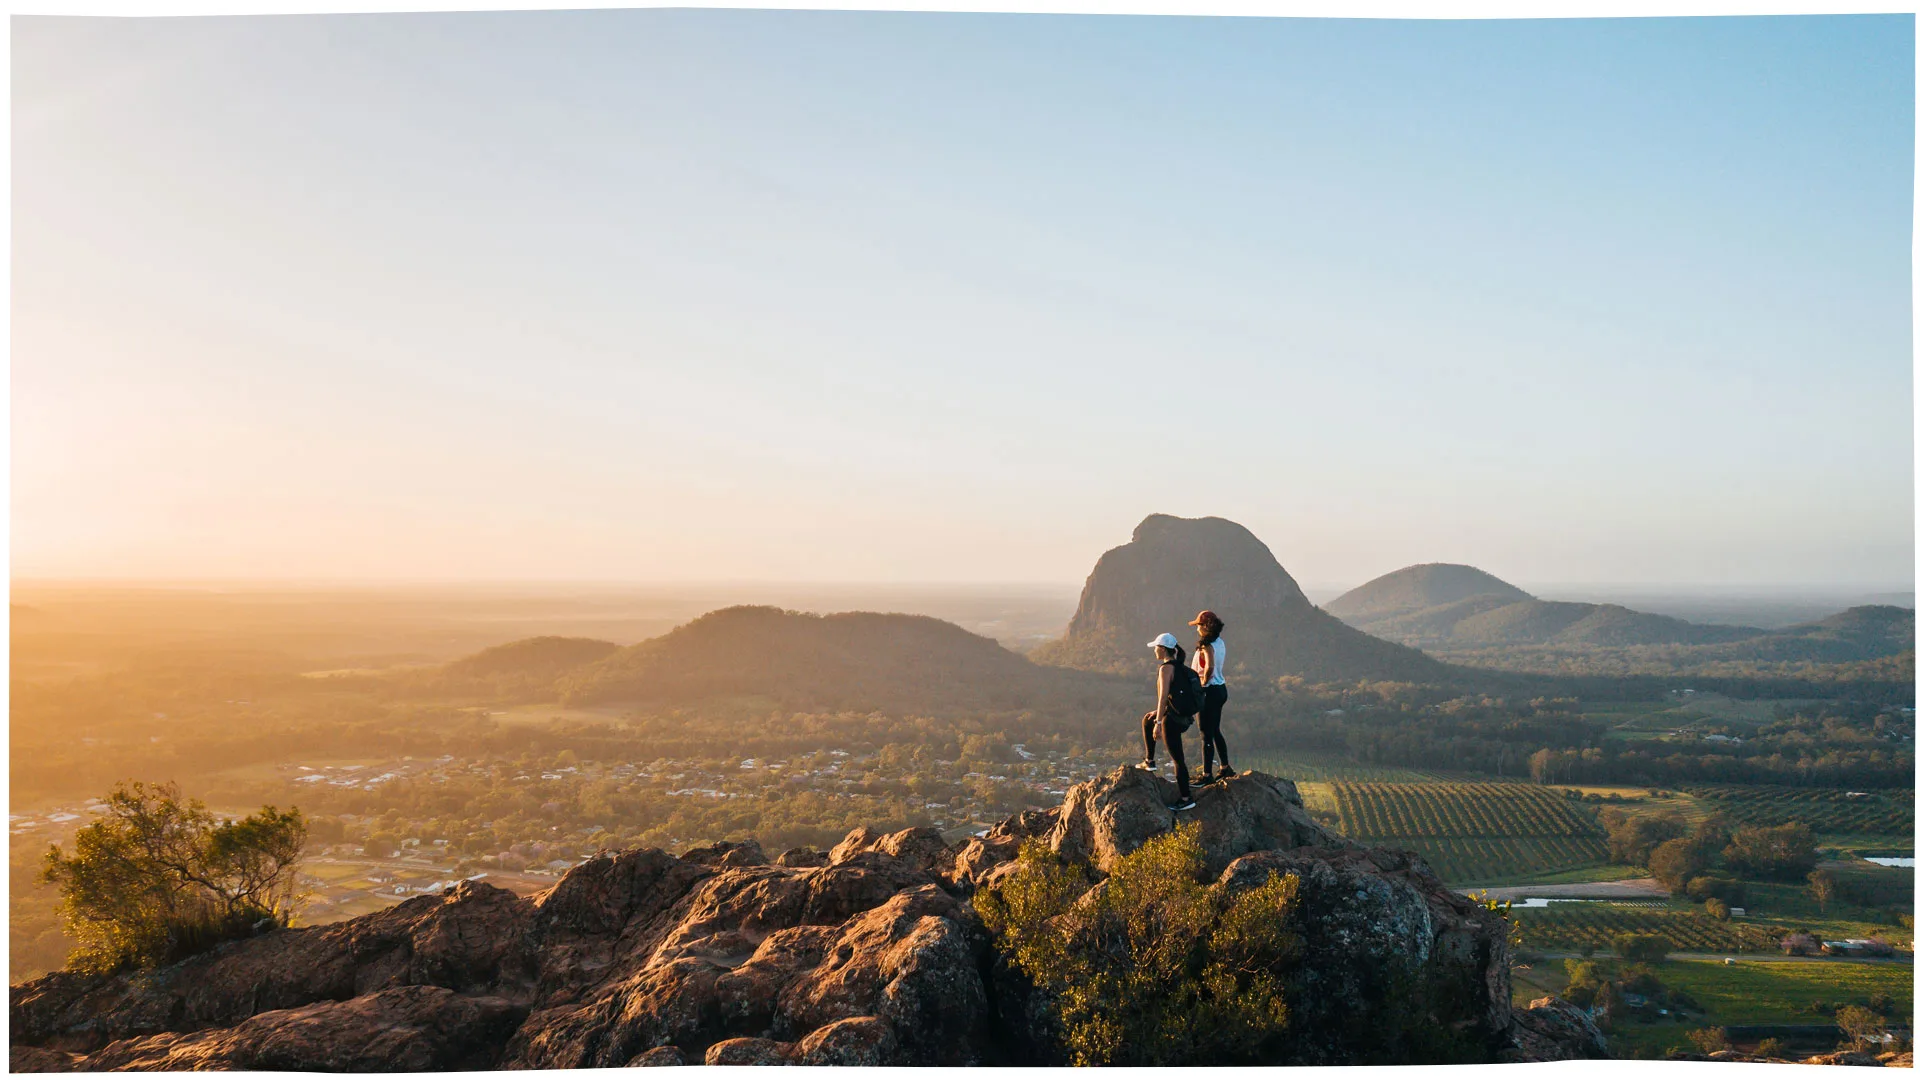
(1173, 567)
(1419, 587)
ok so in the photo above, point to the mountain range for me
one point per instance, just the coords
(1170, 569)
(1446, 606)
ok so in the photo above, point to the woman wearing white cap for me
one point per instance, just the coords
(1178, 698)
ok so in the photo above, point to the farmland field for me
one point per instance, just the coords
(1473, 832)
(1464, 861)
(1826, 810)
(1572, 926)
(1404, 811)
(1310, 769)
(1752, 991)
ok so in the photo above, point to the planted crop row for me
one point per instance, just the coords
(1306, 769)
(1369, 811)
(1464, 860)
(1827, 810)
(1572, 926)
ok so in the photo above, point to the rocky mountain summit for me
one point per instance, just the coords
(1174, 567)
(868, 954)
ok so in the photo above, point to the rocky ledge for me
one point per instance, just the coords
(868, 954)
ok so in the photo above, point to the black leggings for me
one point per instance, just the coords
(1175, 750)
(1210, 740)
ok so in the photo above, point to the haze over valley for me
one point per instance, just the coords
(631, 537)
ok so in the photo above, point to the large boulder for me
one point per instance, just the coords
(406, 1029)
(1114, 814)
(472, 939)
(1550, 1029)
(1391, 964)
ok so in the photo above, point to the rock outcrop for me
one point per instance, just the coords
(1174, 567)
(869, 954)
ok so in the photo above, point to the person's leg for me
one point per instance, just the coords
(1216, 704)
(1146, 736)
(1210, 729)
(1178, 753)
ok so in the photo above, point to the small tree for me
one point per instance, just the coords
(1710, 1040)
(1783, 852)
(158, 877)
(1822, 886)
(1718, 908)
(1642, 946)
(1859, 1025)
(1771, 1048)
(1675, 861)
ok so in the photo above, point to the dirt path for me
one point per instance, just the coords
(1630, 889)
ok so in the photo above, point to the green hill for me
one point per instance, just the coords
(524, 670)
(1425, 587)
(1541, 622)
(906, 664)
(1860, 633)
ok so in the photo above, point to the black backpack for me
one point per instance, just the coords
(1185, 695)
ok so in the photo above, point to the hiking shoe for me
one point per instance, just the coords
(1183, 804)
(1226, 772)
(1204, 779)
(1144, 763)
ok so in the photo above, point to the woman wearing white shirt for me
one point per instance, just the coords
(1210, 661)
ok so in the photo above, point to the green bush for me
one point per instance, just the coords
(1642, 946)
(1709, 1040)
(1149, 967)
(1858, 1024)
(1713, 887)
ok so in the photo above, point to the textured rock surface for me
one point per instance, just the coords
(869, 954)
(1173, 567)
(1549, 1029)
(1113, 815)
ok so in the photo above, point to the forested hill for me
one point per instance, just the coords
(905, 664)
(1449, 608)
(1420, 588)
(1859, 633)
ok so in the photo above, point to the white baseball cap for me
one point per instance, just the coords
(1164, 641)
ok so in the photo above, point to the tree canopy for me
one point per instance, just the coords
(159, 877)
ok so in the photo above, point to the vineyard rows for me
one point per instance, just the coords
(1468, 860)
(1408, 811)
(1306, 769)
(1572, 926)
(1827, 810)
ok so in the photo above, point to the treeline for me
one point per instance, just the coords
(1549, 739)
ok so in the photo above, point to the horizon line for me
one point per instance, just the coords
(303, 584)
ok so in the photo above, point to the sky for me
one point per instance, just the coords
(671, 296)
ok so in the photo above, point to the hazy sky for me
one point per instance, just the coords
(684, 295)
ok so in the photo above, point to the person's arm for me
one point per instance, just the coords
(1203, 663)
(1165, 704)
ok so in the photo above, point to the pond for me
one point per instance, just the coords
(1891, 860)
